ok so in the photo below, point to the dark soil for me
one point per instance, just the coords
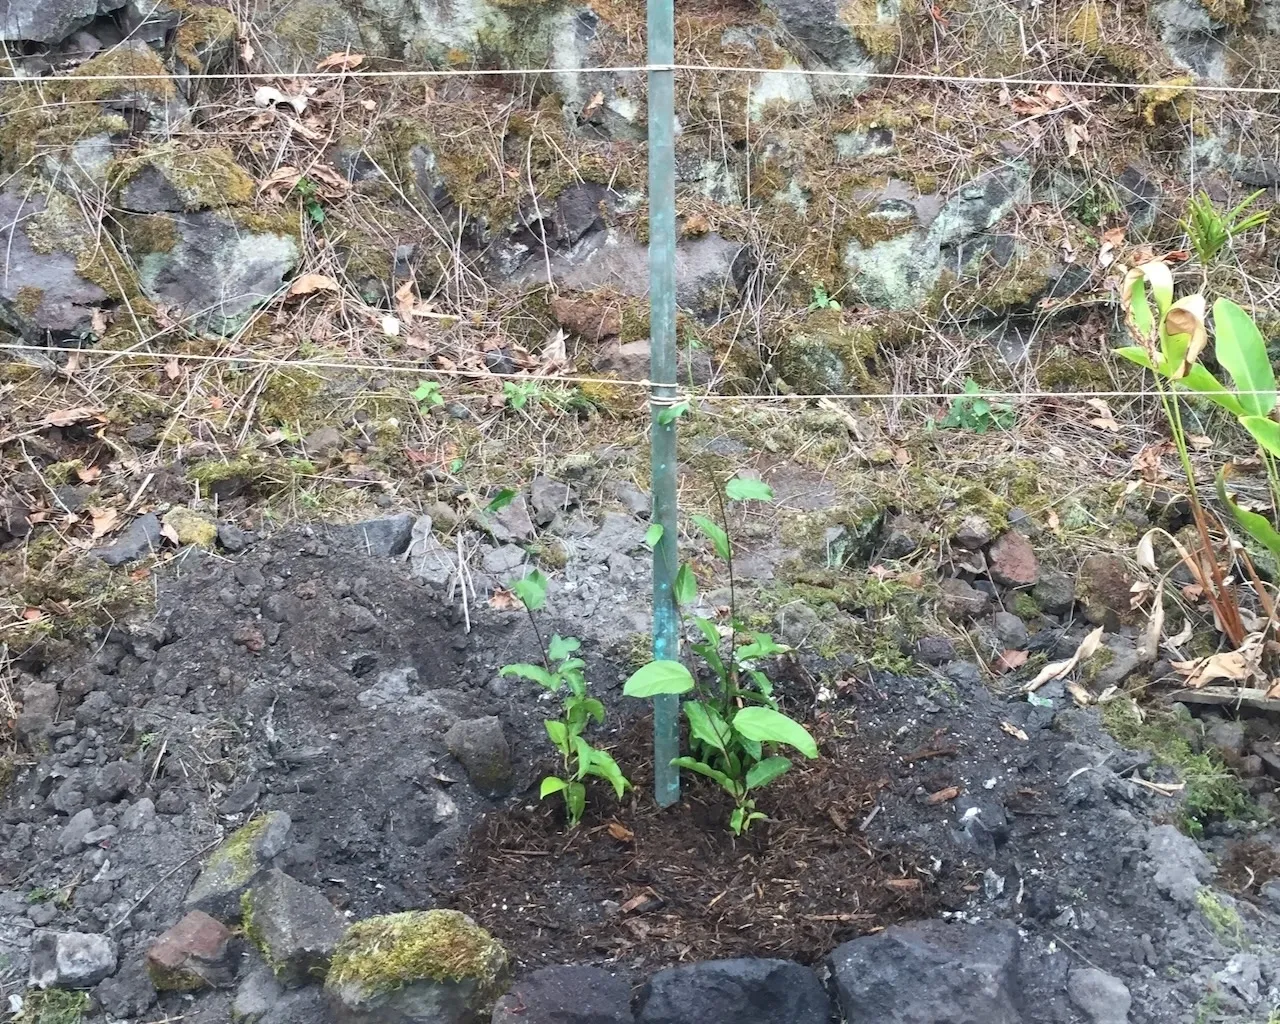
(649, 886)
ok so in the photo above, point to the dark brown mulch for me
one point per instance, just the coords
(1248, 865)
(647, 886)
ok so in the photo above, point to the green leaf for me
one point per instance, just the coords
(1265, 432)
(702, 768)
(534, 673)
(1257, 526)
(603, 766)
(1241, 350)
(764, 772)
(559, 734)
(686, 586)
(532, 591)
(562, 646)
(769, 726)
(1140, 309)
(594, 709)
(1135, 354)
(738, 820)
(1201, 381)
(501, 500)
(658, 677)
(584, 751)
(669, 414)
(428, 393)
(745, 489)
(550, 785)
(653, 535)
(764, 646)
(575, 801)
(706, 725)
(719, 539)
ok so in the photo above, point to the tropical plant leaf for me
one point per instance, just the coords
(764, 772)
(653, 535)
(575, 800)
(1265, 432)
(501, 500)
(558, 733)
(1241, 350)
(1258, 527)
(1184, 335)
(1198, 379)
(686, 585)
(561, 647)
(719, 539)
(658, 677)
(594, 709)
(742, 488)
(534, 673)
(769, 726)
(551, 785)
(763, 646)
(706, 725)
(531, 590)
(692, 764)
(603, 766)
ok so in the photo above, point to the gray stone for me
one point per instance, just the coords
(49, 21)
(935, 650)
(140, 538)
(114, 781)
(325, 441)
(549, 497)
(71, 838)
(296, 928)
(1055, 592)
(139, 815)
(1178, 866)
(70, 959)
(634, 500)
(99, 835)
(1227, 736)
(42, 295)
(904, 534)
(1011, 630)
(127, 994)
(392, 687)
(974, 533)
(899, 273)
(618, 533)
(258, 993)
(511, 524)
(482, 749)
(746, 991)
(237, 864)
(630, 360)
(797, 622)
(292, 37)
(1242, 976)
(1104, 999)
(959, 601)
(231, 537)
(1124, 662)
(504, 559)
(566, 995)
(166, 179)
(388, 537)
(930, 973)
(430, 560)
(242, 798)
(206, 266)
(826, 32)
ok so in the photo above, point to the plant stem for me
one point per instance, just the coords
(731, 664)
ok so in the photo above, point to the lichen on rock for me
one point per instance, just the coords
(417, 966)
(169, 178)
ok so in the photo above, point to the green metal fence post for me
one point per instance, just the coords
(662, 373)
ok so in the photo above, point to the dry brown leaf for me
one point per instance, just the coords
(1009, 660)
(170, 534)
(341, 62)
(88, 474)
(1058, 669)
(309, 283)
(504, 600)
(620, 832)
(284, 178)
(172, 370)
(1076, 135)
(1113, 236)
(594, 104)
(635, 902)
(1150, 646)
(942, 796)
(404, 301)
(1104, 420)
(1186, 316)
(1200, 442)
(1079, 694)
(1014, 731)
(104, 521)
(70, 417)
(32, 614)
(1232, 665)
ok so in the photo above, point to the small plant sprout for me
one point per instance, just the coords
(427, 395)
(1210, 230)
(977, 413)
(306, 190)
(563, 670)
(519, 394)
(735, 727)
(821, 300)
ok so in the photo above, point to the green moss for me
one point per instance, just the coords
(825, 356)
(1213, 791)
(191, 527)
(203, 27)
(1024, 606)
(289, 398)
(28, 300)
(150, 233)
(879, 32)
(61, 227)
(203, 179)
(118, 62)
(236, 854)
(1224, 920)
(382, 954)
(52, 1006)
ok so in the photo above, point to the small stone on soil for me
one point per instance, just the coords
(1103, 998)
(1011, 630)
(482, 749)
(191, 955)
(935, 650)
(1227, 736)
(974, 533)
(1180, 866)
(140, 539)
(503, 560)
(387, 537)
(959, 601)
(548, 498)
(296, 928)
(233, 866)
(566, 995)
(70, 959)
(1012, 561)
(1055, 593)
(745, 991)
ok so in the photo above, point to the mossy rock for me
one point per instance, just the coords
(827, 357)
(235, 865)
(419, 967)
(169, 178)
(191, 527)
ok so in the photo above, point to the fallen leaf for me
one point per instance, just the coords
(32, 614)
(215, 403)
(170, 534)
(1150, 646)
(1232, 665)
(1200, 442)
(504, 600)
(1014, 731)
(88, 474)
(620, 832)
(1058, 669)
(104, 521)
(404, 301)
(284, 178)
(70, 417)
(635, 901)
(942, 796)
(172, 370)
(1184, 634)
(99, 325)
(1113, 236)
(1075, 135)
(554, 355)
(1104, 419)
(1079, 694)
(309, 283)
(902, 884)
(341, 62)
(1009, 660)
(594, 104)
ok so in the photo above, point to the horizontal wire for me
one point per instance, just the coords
(886, 76)
(685, 395)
